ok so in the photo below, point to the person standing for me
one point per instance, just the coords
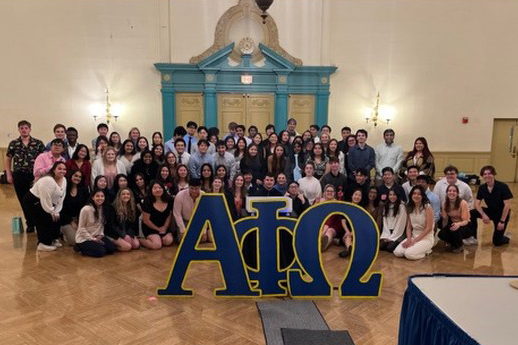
(388, 154)
(362, 156)
(45, 161)
(189, 138)
(199, 158)
(19, 164)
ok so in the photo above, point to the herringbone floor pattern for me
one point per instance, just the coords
(64, 298)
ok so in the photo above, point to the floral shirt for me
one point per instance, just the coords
(24, 156)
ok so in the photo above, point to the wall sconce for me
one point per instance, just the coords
(383, 113)
(111, 111)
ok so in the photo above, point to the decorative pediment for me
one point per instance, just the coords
(271, 60)
(245, 13)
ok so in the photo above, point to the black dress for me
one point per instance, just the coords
(156, 217)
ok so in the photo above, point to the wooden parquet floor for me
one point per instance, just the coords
(64, 298)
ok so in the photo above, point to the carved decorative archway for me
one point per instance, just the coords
(245, 9)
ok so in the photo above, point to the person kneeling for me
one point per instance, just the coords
(122, 226)
(419, 229)
(90, 239)
(455, 220)
(156, 217)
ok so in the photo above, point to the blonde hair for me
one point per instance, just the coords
(126, 211)
(109, 148)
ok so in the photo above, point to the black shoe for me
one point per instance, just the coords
(30, 229)
(503, 241)
(345, 253)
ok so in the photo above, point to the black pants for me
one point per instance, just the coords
(389, 246)
(498, 235)
(22, 182)
(97, 249)
(473, 227)
(455, 237)
(48, 230)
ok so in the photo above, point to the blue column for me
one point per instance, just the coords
(321, 107)
(210, 110)
(168, 112)
(281, 110)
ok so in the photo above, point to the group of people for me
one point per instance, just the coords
(119, 195)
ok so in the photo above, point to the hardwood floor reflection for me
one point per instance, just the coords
(64, 298)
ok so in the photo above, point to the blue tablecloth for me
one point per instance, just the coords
(423, 323)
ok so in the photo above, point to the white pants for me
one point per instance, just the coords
(416, 252)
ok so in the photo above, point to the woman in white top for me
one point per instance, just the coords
(44, 202)
(108, 166)
(128, 155)
(309, 185)
(90, 239)
(394, 222)
(419, 230)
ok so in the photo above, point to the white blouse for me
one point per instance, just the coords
(394, 226)
(311, 188)
(50, 193)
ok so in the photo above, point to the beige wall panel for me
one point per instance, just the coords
(466, 162)
(231, 107)
(260, 110)
(302, 108)
(189, 107)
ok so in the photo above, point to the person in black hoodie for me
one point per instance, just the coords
(146, 165)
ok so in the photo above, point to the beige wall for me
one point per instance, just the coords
(435, 61)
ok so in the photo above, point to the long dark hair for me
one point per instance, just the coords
(75, 155)
(456, 204)
(278, 163)
(411, 204)
(247, 158)
(52, 171)
(98, 140)
(426, 150)
(104, 206)
(236, 147)
(203, 179)
(97, 178)
(397, 203)
(69, 179)
(122, 152)
(150, 198)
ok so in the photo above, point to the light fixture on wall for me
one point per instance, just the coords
(264, 5)
(110, 111)
(383, 113)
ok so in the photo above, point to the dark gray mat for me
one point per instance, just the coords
(288, 314)
(293, 336)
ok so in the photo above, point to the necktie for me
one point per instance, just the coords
(189, 145)
(180, 158)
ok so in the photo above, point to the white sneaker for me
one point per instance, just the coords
(57, 243)
(473, 241)
(44, 248)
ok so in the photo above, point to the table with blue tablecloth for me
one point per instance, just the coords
(459, 310)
